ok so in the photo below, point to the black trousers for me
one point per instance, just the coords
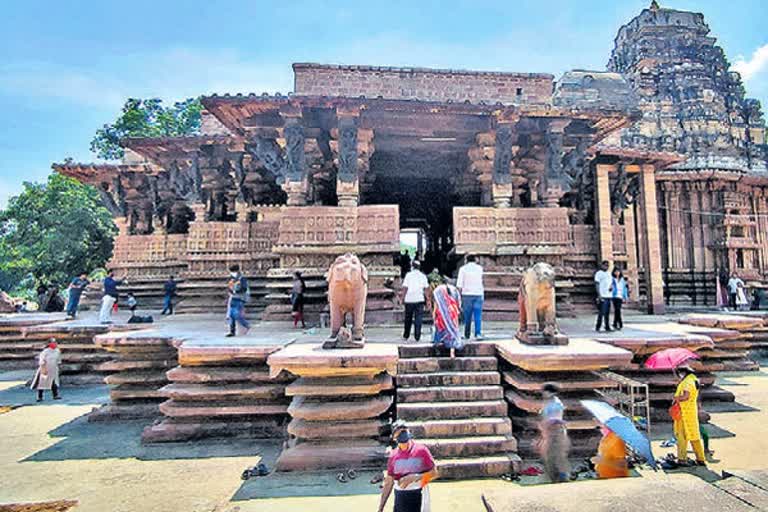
(618, 323)
(413, 315)
(732, 300)
(54, 390)
(408, 501)
(604, 314)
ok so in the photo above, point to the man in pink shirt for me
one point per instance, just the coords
(409, 469)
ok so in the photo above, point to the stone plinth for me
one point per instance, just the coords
(573, 368)
(340, 411)
(139, 363)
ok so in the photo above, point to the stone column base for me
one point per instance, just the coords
(501, 194)
(348, 192)
(297, 192)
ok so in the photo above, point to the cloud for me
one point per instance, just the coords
(171, 74)
(755, 65)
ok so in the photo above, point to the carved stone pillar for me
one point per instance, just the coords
(603, 211)
(555, 183)
(632, 263)
(347, 175)
(501, 185)
(652, 246)
(295, 184)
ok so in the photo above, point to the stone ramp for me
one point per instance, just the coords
(456, 407)
(751, 487)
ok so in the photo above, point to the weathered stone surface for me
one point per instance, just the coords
(189, 392)
(201, 356)
(343, 410)
(213, 374)
(338, 454)
(449, 379)
(373, 428)
(311, 360)
(445, 428)
(340, 386)
(579, 355)
(446, 364)
(175, 430)
(471, 446)
(177, 409)
(445, 410)
(478, 467)
(449, 394)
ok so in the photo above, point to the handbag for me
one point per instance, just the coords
(675, 412)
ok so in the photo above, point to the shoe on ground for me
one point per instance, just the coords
(39, 400)
(229, 335)
(57, 397)
(480, 338)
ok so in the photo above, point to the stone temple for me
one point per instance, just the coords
(657, 164)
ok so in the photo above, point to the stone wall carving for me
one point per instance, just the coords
(509, 230)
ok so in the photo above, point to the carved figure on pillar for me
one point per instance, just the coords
(501, 186)
(625, 190)
(347, 293)
(536, 300)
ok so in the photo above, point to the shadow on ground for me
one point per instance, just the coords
(81, 440)
(300, 484)
(21, 395)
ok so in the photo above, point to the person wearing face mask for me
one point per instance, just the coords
(47, 375)
(238, 291)
(409, 469)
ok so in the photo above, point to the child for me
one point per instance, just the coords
(131, 301)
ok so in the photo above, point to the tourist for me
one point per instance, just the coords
(409, 469)
(554, 444)
(404, 263)
(446, 306)
(47, 374)
(131, 303)
(109, 299)
(169, 292)
(611, 459)
(470, 284)
(54, 303)
(238, 291)
(414, 293)
(76, 288)
(735, 284)
(298, 290)
(619, 293)
(685, 415)
(42, 295)
(603, 282)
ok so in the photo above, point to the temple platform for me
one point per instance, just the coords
(188, 381)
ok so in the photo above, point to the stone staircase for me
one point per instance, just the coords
(457, 408)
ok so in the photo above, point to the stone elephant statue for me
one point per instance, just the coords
(536, 300)
(347, 293)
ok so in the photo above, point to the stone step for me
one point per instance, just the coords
(134, 392)
(448, 410)
(525, 381)
(371, 428)
(452, 447)
(335, 454)
(478, 467)
(444, 364)
(449, 394)
(175, 429)
(138, 377)
(448, 379)
(239, 391)
(460, 427)
(416, 350)
(177, 409)
(342, 386)
(126, 411)
(344, 410)
(210, 374)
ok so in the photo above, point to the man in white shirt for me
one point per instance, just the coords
(415, 292)
(470, 284)
(734, 284)
(603, 281)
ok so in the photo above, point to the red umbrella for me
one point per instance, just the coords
(669, 358)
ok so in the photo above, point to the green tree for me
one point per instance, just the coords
(51, 232)
(147, 118)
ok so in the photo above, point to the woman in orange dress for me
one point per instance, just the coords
(611, 459)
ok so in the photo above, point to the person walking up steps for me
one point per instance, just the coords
(603, 281)
(169, 291)
(415, 292)
(470, 284)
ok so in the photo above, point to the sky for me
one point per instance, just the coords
(67, 67)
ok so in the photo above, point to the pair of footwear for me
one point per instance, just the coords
(346, 476)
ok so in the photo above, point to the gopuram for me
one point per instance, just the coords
(657, 164)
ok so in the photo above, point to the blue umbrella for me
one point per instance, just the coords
(622, 427)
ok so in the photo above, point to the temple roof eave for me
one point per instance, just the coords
(164, 150)
(97, 173)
